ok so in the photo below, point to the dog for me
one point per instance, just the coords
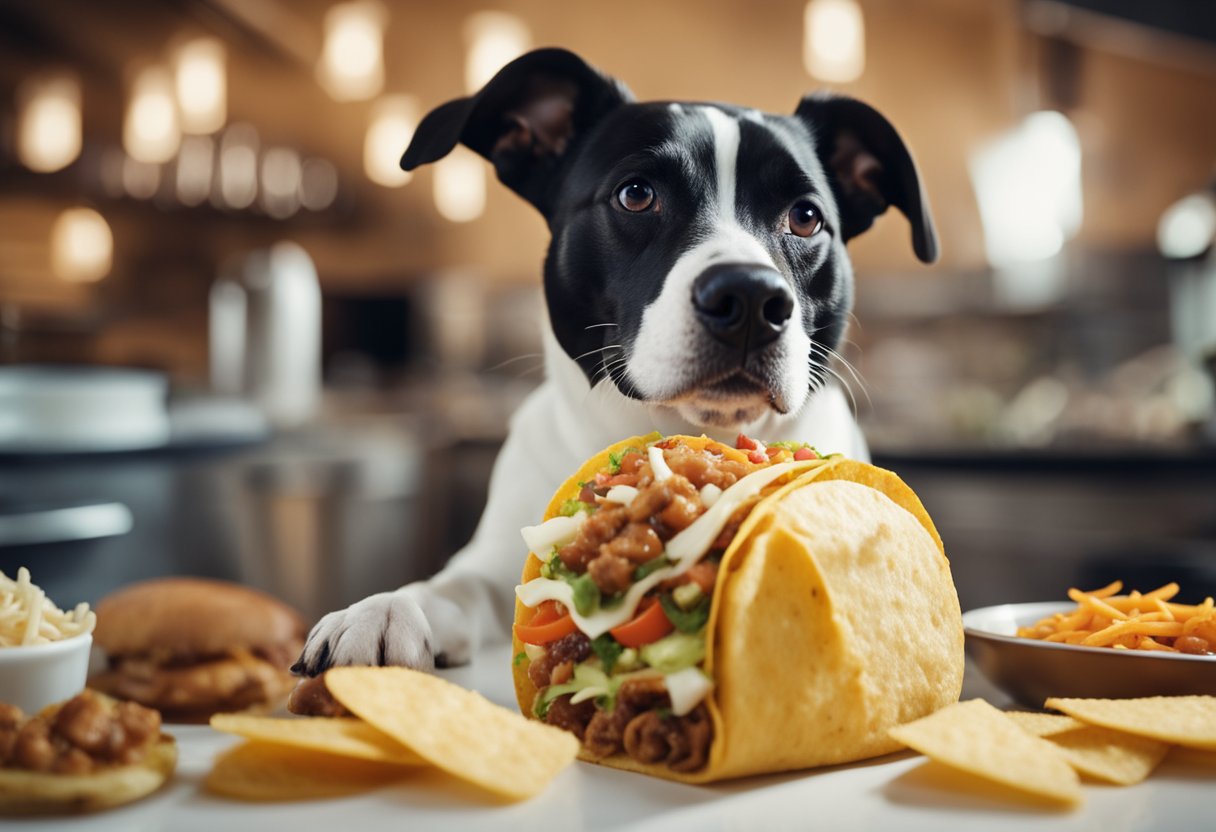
(697, 282)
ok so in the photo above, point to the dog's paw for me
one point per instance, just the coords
(385, 629)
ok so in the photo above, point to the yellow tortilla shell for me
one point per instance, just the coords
(834, 619)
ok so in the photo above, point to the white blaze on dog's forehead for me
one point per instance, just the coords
(726, 159)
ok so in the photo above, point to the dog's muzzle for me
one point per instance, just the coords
(745, 307)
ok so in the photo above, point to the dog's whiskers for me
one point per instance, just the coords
(593, 326)
(517, 358)
(593, 352)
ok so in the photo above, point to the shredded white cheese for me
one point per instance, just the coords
(687, 688)
(556, 531)
(658, 464)
(623, 494)
(710, 494)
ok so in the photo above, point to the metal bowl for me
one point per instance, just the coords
(1030, 670)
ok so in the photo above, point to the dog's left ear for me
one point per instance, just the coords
(870, 167)
(525, 120)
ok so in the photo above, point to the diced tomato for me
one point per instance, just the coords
(650, 624)
(772, 451)
(549, 623)
(704, 574)
(757, 457)
(745, 443)
(803, 454)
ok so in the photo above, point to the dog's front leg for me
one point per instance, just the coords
(442, 621)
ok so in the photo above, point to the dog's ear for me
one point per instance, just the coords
(870, 167)
(524, 121)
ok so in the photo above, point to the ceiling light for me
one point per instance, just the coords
(392, 126)
(202, 85)
(49, 131)
(281, 177)
(460, 185)
(195, 169)
(352, 60)
(82, 246)
(493, 40)
(834, 40)
(1188, 227)
(1028, 186)
(318, 184)
(238, 172)
(151, 132)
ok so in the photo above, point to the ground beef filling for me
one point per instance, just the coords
(610, 545)
(640, 725)
(88, 732)
(615, 540)
(311, 697)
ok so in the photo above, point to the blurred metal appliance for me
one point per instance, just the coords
(53, 409)
(265, 333)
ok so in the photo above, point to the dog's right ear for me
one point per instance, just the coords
(524, 121)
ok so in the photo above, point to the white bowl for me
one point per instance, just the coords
(41, 674)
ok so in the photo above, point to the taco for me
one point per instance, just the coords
(700, 612)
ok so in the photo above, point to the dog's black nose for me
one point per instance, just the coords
(743, 306)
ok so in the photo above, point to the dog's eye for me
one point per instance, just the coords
(636, 195)
(805, 219)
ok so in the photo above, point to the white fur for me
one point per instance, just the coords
(563, 423)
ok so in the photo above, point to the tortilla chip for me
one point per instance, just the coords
(1043, 725)
(265, 771)
(977, 738)
(838, 585)
(334, 735)
(1184, 720)
(24, 792)
(1110, 756)
(456, 729)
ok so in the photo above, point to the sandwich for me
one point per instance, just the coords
(191, 647)
(701, 612)
(85, 754)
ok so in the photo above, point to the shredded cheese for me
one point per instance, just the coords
(28, 618)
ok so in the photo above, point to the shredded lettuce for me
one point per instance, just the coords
(686, 621)
(570, 508)
(608, 650)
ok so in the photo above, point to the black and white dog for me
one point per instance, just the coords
(697, 281)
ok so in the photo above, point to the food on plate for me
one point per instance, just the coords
(455, 729)
(975, 737)
(311, 697)
(90, 752)
(263, 771)
(1136, 621)
(191, 647)
(698, 611)
(342, 736)
(28, 617)
(1183, 720)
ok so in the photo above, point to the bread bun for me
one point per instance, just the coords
(191, 647)
(193, 617)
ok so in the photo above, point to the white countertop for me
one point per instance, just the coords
(892, 793)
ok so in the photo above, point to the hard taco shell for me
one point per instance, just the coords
(834, 619)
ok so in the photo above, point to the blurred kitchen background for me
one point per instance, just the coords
(236, 340)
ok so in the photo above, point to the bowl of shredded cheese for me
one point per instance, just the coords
(44, 651)
(1104, 645)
